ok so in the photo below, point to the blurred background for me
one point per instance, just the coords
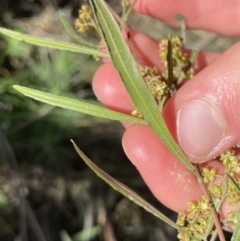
(46, 191)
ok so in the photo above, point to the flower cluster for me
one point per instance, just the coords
(182, 66)
(230, 162)
(155, 84)
(159, 84)
(228, 187)
(84, 20)
(194, 222)
(232, 169)
(208, 174)
(224, 187)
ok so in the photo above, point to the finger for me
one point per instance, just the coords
(146, 52)
(110, 89)
(204, 114)
(112, 92)
(108, 85)
(208, 15)
(145, 49)
(168, 179)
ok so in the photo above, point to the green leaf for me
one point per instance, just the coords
(128, 70)
(210, 221)
(124, 190)
(77, 105)
(194, 55)
(3, 199)
(87, 234)
(236, 233)
(55, 44)
(233, 181)
(182, 22)
(64, 236)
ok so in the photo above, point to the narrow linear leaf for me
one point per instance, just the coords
(236, 233)
(87, 234)
(71, 31)
(45, 42)
(194, 55)
(124, 190)
(129, 10)
(182, 22)
(233, 181)
(64, 236)
(128, 70)
(77, 105)
(210, 222)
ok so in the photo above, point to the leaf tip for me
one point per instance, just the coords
(61, 15)
(16, 87)
(74, 144)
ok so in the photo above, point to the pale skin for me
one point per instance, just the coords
(216, 85)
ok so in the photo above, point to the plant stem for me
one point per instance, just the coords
(211, 205)
(129, 10)
(214, 235)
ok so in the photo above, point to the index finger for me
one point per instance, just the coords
(208, 15)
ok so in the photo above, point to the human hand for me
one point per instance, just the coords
(202, 116)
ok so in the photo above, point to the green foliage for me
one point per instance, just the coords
(62, 74)
(86, 107)
(59, 77)
(88, 234)
(131, 76)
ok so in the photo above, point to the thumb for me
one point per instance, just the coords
(204, 114)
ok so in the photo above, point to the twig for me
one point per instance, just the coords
(214, 235)
(211, 205)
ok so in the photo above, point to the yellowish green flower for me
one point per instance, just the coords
(208, 174)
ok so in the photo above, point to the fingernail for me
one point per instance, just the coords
(200, 128)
